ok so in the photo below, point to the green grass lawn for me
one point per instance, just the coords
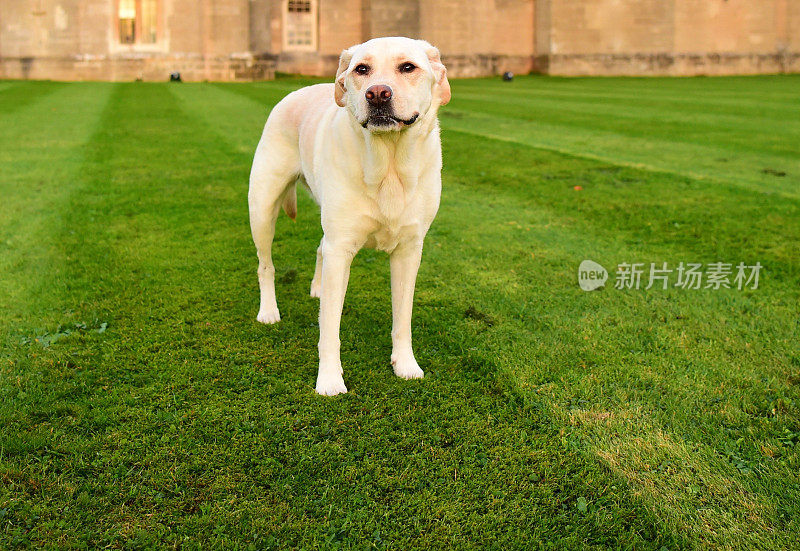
(141, 405)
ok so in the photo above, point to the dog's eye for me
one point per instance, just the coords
(407, 68)
(362, 69)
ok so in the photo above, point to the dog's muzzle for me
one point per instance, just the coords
(381, 117)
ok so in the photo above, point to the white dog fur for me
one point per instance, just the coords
(374, 171)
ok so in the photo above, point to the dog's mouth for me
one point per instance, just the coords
(381, 119)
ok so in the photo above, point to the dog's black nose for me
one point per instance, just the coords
(378, 94)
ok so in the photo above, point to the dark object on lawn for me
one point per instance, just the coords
(289, 276)
(508, 76)
(477, 315)
(175, 76)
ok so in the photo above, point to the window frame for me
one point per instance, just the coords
(312, 18)
(137, 43)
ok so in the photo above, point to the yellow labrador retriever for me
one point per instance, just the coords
(368, 149)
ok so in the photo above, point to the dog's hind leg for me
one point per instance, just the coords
(274, 172)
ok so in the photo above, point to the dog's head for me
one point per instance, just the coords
(389, 84)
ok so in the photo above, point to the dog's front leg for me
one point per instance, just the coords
(404, 265)
(335, 273)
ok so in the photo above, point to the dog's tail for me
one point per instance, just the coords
(290, 201)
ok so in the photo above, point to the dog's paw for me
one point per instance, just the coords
(407, 368)
(315, 288)
(330, 384)
(269, 315)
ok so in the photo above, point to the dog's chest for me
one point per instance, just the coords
(394, 218)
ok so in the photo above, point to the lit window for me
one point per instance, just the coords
(127, 21)
(138, 21)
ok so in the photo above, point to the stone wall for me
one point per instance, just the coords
(244, 39)
(668, 37)
(142, 67)
(79, 40)
(479, 38)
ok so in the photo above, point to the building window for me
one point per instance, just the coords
(299, 6)
(138, 21)
(300, 25)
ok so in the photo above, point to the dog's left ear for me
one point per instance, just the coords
(440, 71)
(341, 72)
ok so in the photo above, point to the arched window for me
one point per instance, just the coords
(138, 21)
(300, 25)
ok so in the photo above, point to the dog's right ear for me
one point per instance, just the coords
(341, 73)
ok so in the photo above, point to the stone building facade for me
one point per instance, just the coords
(251, 39)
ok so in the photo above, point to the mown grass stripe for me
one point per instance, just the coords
(622, 113)
(20, 94)
(41, 148)
(741, 110)
(761, 90)
(693, 131)
(709, 163)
